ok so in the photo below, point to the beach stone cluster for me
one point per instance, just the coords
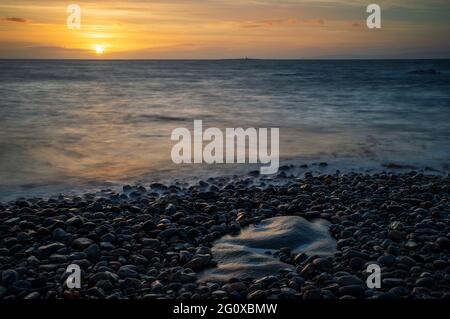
(152, 241)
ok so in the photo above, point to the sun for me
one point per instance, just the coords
(99, 49)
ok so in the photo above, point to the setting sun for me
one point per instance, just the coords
(99, 49)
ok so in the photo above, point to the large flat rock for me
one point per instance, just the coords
(245, 255)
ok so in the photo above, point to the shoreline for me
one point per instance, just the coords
(186, 175)
(151, 242)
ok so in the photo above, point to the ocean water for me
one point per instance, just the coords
(74, 125)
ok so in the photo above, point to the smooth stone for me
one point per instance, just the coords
(312, 294)
(392, 282)
(81, 243)
(9, 276)
(198, 262)
(92, 251)
(356, 263)
(443, 242)
(425, 282)
(59, 234)
(349, 280)
(46, 250)
(75, 221)
(244, 255)
(399, 291)
(149, 225)
(127, 271)
(257, 294)
(322, 263)
(352, 290)
(32, 295)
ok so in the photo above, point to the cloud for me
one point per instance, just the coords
(16, 19)
(23, 50)
(267, 23)
(313, 22)
(282, 22)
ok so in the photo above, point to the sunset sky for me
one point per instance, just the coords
(188, 29)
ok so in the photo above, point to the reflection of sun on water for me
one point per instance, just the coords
(99, 49)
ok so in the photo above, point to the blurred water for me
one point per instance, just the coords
(78, 123)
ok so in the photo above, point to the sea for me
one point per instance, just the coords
(73, 126)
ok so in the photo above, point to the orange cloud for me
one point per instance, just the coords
(271, 23)
(313, 21)
(15, 19)
(282, 22)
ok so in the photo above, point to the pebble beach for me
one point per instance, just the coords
(156, 240)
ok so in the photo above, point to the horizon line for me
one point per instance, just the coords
(223, 59)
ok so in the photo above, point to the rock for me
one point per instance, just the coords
(157, 286)
(81, 243)
(395, 209)
(351, 253)
(46, 250)
(58, 259)
(219, 294)
(105, 276)
(312, 294)
(307, 271)
(75, 221)
(410, 244)
(322, 263)
(235, 286)
(257, 294)
(127, 271)
(396, 235)
(33, 261)
(425, 282)
(32, 295)
(59, 234)
(443, 242)
(171, 209)
(399, 291)
(440, 264)
(132, 283)
(184, 256)
(198, 262)
(349, 280)
(149, 226)
(407, 261)
(9, 277)
(167, 233)
(352, 290)
(96, 292)
(93, 251)
(299, 258)
(150, 242)
(3, 291)
(149, 253)
(357, 263)
(392, 282)
(105, 285)
(386, 260)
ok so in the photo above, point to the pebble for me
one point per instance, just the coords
(81, 243)
(9, 277)
(46, 250)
